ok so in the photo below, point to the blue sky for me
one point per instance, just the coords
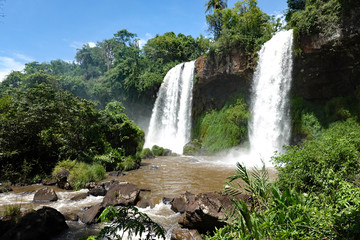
(45, 30)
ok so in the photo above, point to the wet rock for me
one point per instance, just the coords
(42, 224)
(202, 212)
(153, 167)
(167, 200)
(108, 184)
(62, 177)
(186, 234)
(116, 174)
(180, 203)
(91, 185)
(71, 217)
(98, 191)
(121, 193)
(80, 196)
(45, 195)
(192, 148)
(50, 182)
(90, 215)
(4, 189)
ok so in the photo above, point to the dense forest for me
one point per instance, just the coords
(80, 116)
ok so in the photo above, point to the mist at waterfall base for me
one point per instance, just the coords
(270, 125)
(170, 123)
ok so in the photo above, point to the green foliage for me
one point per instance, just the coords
(127, 220)
(223, 129)
(318, 17)
(12, 210)
(80, 172)
(244, 27)
(192, 148)
(158, 151)
(313, 166)
(40, 126)
(146, 153)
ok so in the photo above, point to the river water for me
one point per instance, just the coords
(160, 177)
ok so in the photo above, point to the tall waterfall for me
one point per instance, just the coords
(270, 126)
(170, 122)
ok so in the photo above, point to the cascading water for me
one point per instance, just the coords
(270, 128)
(170, 123)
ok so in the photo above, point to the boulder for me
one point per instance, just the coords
(121, 193)
(80, 196)
(42, 224)
(90, 215)
(98, 191)
(71, 217)
(62, 178)
(186, 234)
(50, 182)
(180, 203)
(116, 174)
(202, 212)
(45, 195)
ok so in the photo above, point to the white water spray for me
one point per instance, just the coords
(270, 127)
(170, 123)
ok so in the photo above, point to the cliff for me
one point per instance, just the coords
(325, 68)
(220, 79)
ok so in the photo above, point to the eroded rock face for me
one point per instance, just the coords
(42, 224)
(45, 195)
(221, 78)
(121, 194)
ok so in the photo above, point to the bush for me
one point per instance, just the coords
(146, 153)
(160, 151)
(313, 166)
(192, 148)
(80, 172)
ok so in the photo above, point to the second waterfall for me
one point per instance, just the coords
(170, 124)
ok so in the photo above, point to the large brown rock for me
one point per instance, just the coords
(45, 195)
(42, 224)
(202, 212)
(90, 215)
(186, 234)
(62, 178)
(121, 194)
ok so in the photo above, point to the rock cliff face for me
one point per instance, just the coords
(329, 67)
(218, 79)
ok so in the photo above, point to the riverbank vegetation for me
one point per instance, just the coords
(316, 194)
(41, 126)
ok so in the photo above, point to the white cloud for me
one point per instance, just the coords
(78, 45)
(23, 57)
(143, 41)
(7, 65)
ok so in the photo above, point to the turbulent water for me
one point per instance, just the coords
(170, 123)
(270, 125)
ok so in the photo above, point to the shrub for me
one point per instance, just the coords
(12, 210)
(146, 153)
(80, 172)
(312, 166)
(192, 147)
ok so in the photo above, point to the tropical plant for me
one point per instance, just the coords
(127, 220)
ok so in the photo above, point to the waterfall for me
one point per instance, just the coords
(270, 125)
(170, 122)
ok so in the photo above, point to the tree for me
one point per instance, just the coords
(215, 5)
(214, 20)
